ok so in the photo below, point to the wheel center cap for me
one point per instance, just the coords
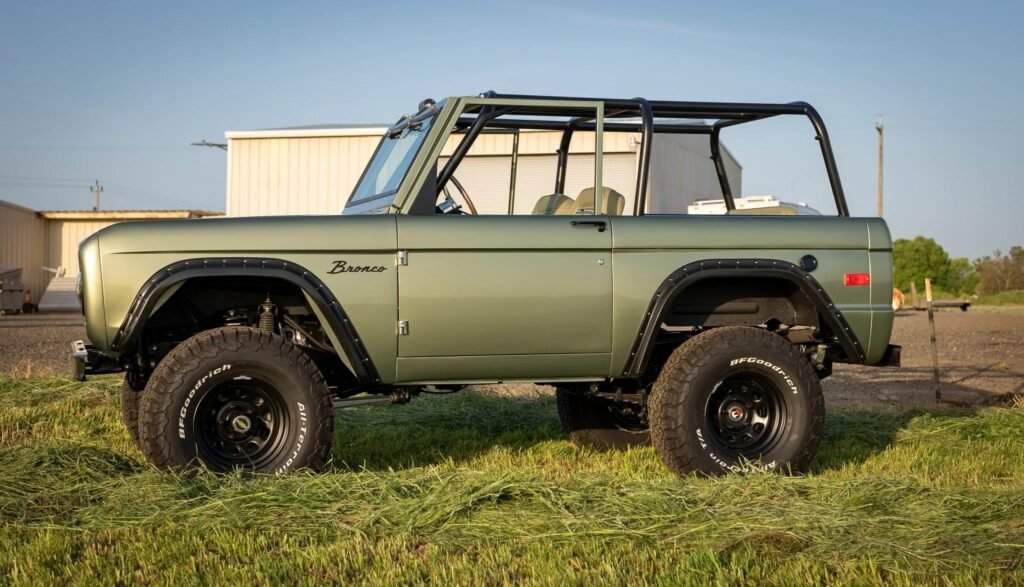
(735, 413)
(241, 424)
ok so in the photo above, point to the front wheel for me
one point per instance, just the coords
(737, 395)
(236, 398)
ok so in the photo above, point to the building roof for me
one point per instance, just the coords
(124, 214)
(311, 131)
(112, 214)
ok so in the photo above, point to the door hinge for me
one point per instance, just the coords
(403, 327)
(403, 258)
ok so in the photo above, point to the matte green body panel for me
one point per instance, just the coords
(498, 298)
(647, 249)
(133, 252)
(500, 368)
(527, 286)
(93, 304)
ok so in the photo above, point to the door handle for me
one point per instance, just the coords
(600, 224)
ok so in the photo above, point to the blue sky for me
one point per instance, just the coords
(116, 91)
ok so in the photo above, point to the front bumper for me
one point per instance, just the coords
(86, 360)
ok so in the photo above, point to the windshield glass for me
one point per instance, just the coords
(389, 165)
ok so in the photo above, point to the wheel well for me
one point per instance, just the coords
(740, 301)
(773, 303)
(205, 302)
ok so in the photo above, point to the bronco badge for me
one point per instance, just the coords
(343, 267)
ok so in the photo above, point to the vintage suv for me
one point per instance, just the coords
(705, 335)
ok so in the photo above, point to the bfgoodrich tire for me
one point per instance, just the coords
(590, 422)
(736, 395)
(236, 398)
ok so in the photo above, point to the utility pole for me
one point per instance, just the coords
(881, 160)
(96, 189)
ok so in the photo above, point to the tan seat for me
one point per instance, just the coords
(558, 204)
(612, 202)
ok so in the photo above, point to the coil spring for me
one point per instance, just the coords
(267, 322)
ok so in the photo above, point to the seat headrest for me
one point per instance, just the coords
(612, 202)
(558, 204)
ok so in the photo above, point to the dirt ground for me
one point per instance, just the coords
(981, 357)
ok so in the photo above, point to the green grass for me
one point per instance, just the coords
(1014, 297)
(471, 489)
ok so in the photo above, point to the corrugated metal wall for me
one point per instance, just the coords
(22, 245)
(294, 175)
(63, 238)
(315, 175)
(30, 242)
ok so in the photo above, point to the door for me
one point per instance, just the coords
(499, 298)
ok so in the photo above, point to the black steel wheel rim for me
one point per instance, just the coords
(241, 423)
(746, 415)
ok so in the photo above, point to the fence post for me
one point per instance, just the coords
(931, 332)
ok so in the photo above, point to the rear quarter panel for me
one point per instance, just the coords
(647, 249)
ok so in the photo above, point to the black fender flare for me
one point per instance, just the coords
(691, 273)
(327, 303)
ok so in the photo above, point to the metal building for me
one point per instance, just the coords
(34, 241)
(312, 170)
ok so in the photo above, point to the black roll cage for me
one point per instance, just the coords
(647, 117)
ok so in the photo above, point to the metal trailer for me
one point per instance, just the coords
(12, 291)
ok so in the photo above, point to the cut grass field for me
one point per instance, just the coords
(472, 489)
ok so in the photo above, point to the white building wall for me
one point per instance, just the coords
(270, 174)
(22, 245)
(31, 240)
(63, 238)
(313, 171)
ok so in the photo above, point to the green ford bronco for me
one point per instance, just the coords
(705, 335)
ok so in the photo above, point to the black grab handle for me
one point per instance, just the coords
(600, 224)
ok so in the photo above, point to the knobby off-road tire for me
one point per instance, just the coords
(734, 395)
(588, 422)
(236, 398)
(131, 392)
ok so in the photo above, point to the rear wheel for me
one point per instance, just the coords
(735, 395)
(598, 424)
(236, 398)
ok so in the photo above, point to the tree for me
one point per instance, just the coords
(922, 257)
(916, 259)
(1000, 272)
(963, 278)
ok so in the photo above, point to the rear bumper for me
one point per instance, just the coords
(86, 360)
(891, 357)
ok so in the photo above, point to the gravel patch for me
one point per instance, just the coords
(981, 358)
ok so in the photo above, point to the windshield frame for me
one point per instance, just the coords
(427, 115)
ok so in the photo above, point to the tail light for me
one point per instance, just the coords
(857, 279)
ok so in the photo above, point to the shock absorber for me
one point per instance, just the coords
(267, 315)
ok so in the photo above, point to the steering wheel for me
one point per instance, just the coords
(448, 206)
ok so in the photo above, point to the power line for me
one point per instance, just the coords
(143, 194)
(68, 183)
(37, 178)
